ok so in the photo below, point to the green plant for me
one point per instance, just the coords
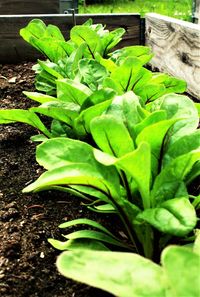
(145, 162)
(128, 274)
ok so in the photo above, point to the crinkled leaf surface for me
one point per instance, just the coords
(93, 73)
(175, 216)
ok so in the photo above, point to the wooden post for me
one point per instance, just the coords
(176, 48)
(197, 11)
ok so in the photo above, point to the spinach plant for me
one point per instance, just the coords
(141, 171)
(128, 274)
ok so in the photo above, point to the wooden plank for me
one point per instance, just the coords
(197, 11)
(176, 48)
(13, 7)
(14, 49)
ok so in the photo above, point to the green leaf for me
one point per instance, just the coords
(95, 235)
(128, 109)
(93, 73)
(65, 112)
(121, 274)
(175, 216)
(88, 222)
(150, 92)
(183, 145)
(177, 107)
(77, 244)
(24, 116)
(136, 164)
(78, 174)
(39, 97)
(126, 74)
(51, 68)
(111, 39)
(64, 151)
(143, 53)
(82, 122)
(47, 39)
(155, 135)
(111, 135)
(72, 91)
(84, 34)
(172, 176)
(181, 268)
(151, 119)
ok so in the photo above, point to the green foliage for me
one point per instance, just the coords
(128, 274)
(131, 170)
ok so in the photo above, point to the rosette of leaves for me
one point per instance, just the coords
(145, 161)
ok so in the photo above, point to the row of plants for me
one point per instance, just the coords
(122, 140)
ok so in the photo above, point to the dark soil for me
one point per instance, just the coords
(27, 261)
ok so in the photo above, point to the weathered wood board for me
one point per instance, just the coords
(13, 7)
(197, 11)
(14, 49)
(176, 48)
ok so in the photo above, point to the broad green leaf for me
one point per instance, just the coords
(177, 107)
(111, 39)
(98, 96)
(126, 74)
(172, 176)
(65, 112)
(64, 151)
(181, 268)
(51, 68)
(153, 118)
(143, 53)
(111, 135)
(78, 174)
(82, 122)
(150, 92)
(155, 135)
(175, 216)
(183, 145)
(136, 164)
(84, 34)
(107, 63)
(93, 73)
(77, 244)
(128, 109)
(72, 91)
(121, 274)
(24, 116)
(39, 97)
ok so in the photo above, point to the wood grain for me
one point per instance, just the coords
(13, 7)
(197, 11)
(14, 49)
(176, 48)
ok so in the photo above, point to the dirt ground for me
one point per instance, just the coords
(27, 261)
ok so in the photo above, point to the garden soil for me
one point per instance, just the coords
(27, 261)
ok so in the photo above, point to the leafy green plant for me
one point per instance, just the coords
(141, 171)
(82, 76)
(128, 274)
